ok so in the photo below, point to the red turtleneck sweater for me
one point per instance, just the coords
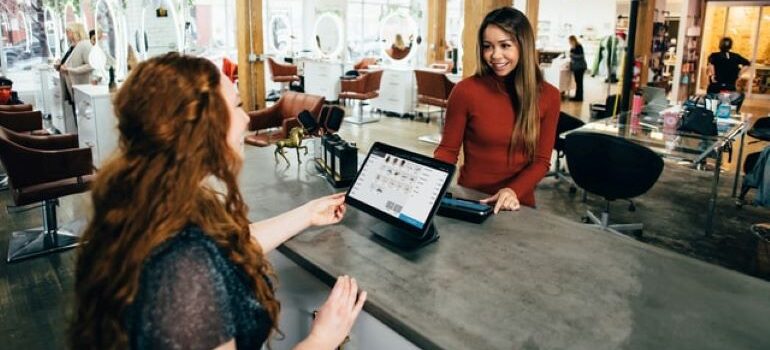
(480, 118)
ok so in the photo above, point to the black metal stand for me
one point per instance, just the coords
(402, 239)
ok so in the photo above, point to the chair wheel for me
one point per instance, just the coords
(572, 189)
(631, 207)
(585, 219)
(738, 203)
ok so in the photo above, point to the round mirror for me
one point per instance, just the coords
(53, 32)
(279, 32)
(160, 27)
(106, 32)
(398, 34)
(328, 35)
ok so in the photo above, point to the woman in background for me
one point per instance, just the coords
(172, 261)
(578, 66)
(504, 116)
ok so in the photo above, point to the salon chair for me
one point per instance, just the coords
(281, 115)
(433, 89)
(43, 169)
(361, 67)
(566, 123)
(362, 88)
(30, 122)
(611, 167)
(285, 74)
(16, 108)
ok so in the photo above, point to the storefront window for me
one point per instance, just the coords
(761, 84)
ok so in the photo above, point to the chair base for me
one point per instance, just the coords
(358, 120)
(433, 138)
(3, 182)
(37, 242)
(604, 224)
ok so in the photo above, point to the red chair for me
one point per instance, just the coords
(230, 69)
(362, 88)
(283, 116)
(285, 74)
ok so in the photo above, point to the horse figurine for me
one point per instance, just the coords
(294, 140)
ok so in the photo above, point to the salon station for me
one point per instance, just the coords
(650, 230)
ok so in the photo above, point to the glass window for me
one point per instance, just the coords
(363, 25)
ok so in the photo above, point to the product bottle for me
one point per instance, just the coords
(723, 111)
(636, 104)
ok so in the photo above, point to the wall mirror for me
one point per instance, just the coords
(53, 32)
(161, 29)
(279, 33)
(398, 35)
(328, 35)
(110, 25)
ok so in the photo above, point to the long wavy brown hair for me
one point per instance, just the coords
(526, 77)
(173, 122)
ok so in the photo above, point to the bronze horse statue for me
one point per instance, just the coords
(294, 140)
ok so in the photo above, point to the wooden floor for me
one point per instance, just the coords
(36, 295)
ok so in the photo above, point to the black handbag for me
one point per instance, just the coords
(700, 121)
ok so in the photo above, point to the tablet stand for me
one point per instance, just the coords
(404, 239)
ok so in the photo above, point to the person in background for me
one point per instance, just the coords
(74, 67)
(400, 49)
(725, 67)
(578, 66)
(504, 116)
(7, 95)
(172, 261)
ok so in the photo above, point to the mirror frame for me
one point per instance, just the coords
(53, 18)
(270, 27)
(171, 6)
(121, 40)
(79, 16)
(340, 39)
(414, 28)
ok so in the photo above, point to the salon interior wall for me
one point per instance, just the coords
(588, 20)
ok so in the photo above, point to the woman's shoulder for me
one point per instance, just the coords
(549, 92)
(186, 246)
(472, 84)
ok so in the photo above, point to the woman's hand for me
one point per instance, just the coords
(326, 210)
(504, 199)
(335, 318)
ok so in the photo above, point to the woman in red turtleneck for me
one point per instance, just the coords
(504, 116)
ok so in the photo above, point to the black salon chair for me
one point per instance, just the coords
(760, 131)
(566, 123)
(611, 167)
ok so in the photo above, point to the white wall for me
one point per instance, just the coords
(600, 15)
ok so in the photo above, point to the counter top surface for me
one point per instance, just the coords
(520, 280)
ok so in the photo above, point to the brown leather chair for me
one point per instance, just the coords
(444, 65)
(364, 63)
(364, 87)
(16, 108)
(282, 115)
(26, 121)
(42, 169)
(281, 73)
(433, 89)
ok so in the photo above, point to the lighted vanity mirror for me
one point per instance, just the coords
(398, 34)
(106, 31)
(328, 35)
(53, 33)
(279, 32)
(71, 16)
(161, 27)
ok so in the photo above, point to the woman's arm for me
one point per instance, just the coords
(82, 50)
(272, 232)
(454, 128)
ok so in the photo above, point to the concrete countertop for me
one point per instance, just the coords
(521, 280)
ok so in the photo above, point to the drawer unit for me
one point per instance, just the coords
(397, 90)
(97, 124)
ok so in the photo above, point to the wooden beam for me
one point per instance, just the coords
(643, 45)
(251, 80)
(474, 14)
(436, 30)
(533, 10)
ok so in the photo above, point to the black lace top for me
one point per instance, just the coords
(191, 296)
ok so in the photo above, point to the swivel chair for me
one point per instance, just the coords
(760, 131)
(613, 168)
(566, 123)
(22, 121)
(42, 169)
(16, 108)
(362, 88)
(285, 74)
(433, 89)
(282, 115)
